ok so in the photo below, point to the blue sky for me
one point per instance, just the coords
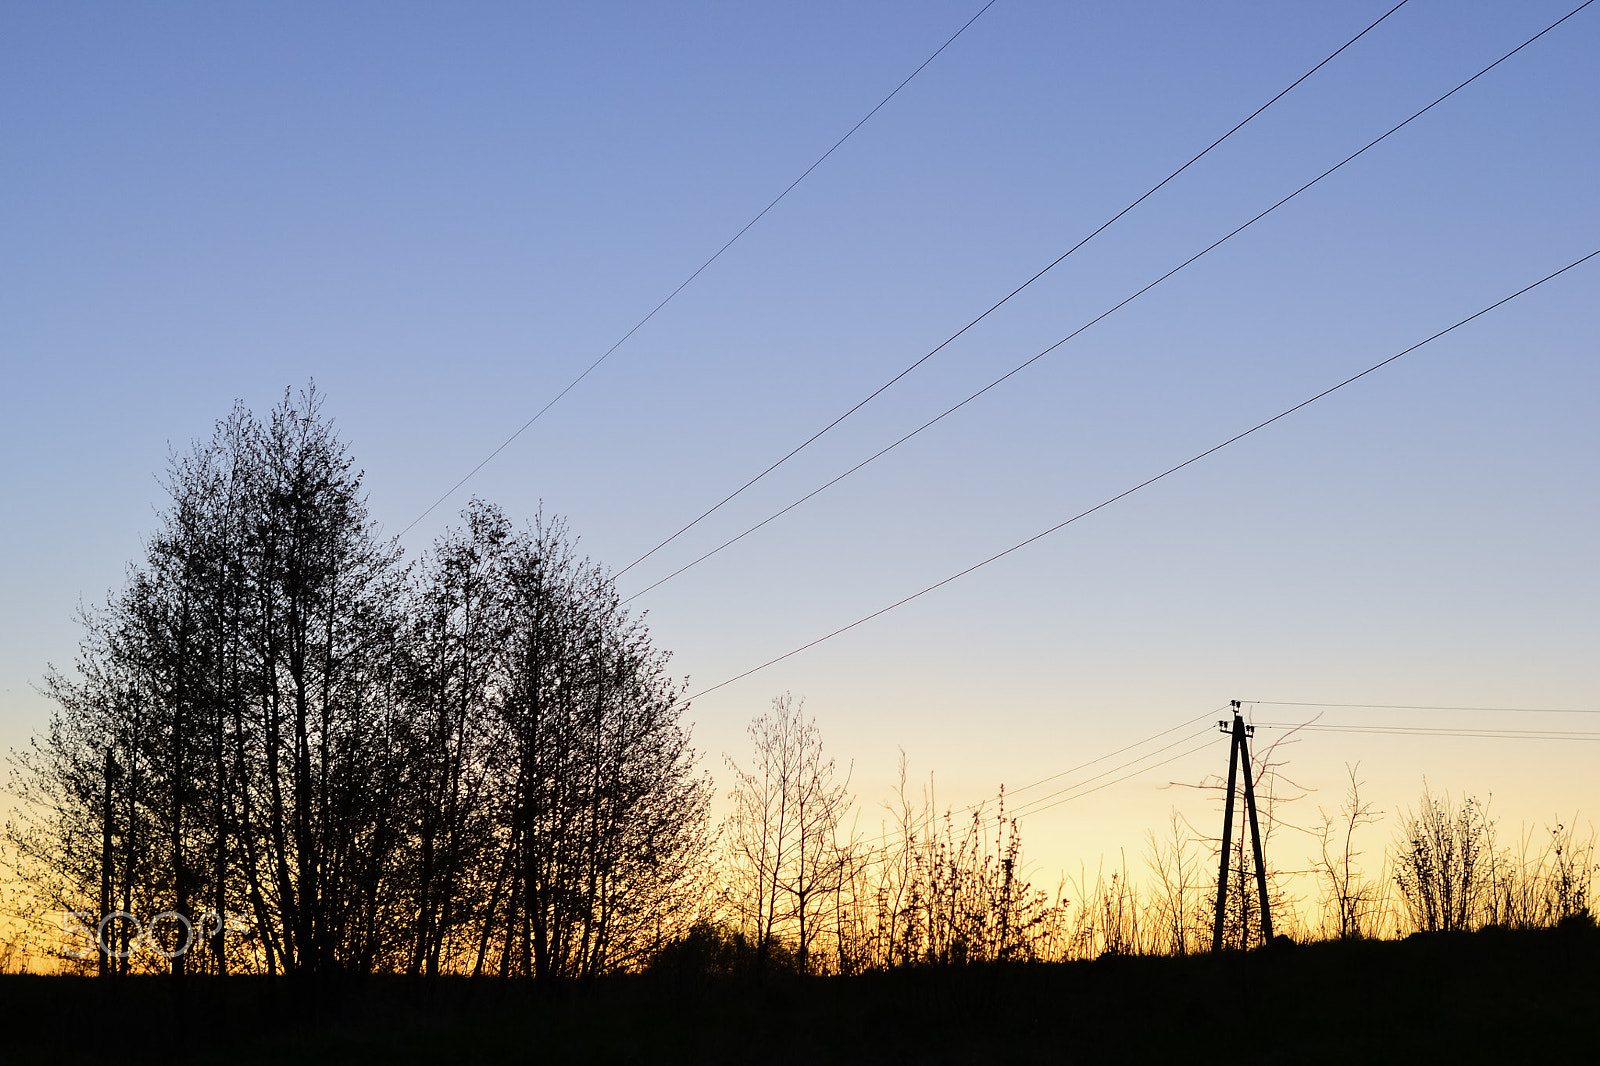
(443, 215)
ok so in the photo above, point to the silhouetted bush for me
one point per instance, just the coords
(712, 950)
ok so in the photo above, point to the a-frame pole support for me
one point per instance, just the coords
(1239, 752)
(1227, 827)
(1257, 844)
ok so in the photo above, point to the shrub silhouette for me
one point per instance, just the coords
(710, 950)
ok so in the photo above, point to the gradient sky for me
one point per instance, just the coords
(442, 214)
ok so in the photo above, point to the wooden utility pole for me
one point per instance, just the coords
(1239, 752)
(1227, 830)
(1242, 732)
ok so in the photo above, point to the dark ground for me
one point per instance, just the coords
(1495, 996)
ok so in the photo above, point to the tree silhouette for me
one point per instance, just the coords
(328, 761)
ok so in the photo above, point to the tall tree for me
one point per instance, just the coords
(476, 763)
(606, 814)
(781, 846)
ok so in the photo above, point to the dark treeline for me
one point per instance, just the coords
(320, 758)
(1495, 997)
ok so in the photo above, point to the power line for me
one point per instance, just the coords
(1029, 362)
(996, 306)
(1507, 734)
(1100, 759)
(1119, 751)
(698, 270)
(1118, 781)
(1043, 803)
(1424, 731)
(1414, 707)
(1023, 808)
(1152, 480)
(1023, 812)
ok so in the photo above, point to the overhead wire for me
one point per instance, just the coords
(1078, 790)
(1070, 336)
(1118, 781)
(879, 854)
(1113, 754)
(1151, 480)
(1426, 731)
(1095, 761)
(1023, 808)
(1006, 299)
(1431, 707)
(1023, 811)
(698, 270)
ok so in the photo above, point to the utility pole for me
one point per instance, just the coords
(1241, 731)
(1227, 827)
(1239, 751)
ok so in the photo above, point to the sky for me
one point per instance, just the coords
(443, 214)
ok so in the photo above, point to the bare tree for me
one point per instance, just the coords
(1349, 900)
(780, 841)
(1177, 894)
(320, 761)
(602, 815)
(458, 627)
